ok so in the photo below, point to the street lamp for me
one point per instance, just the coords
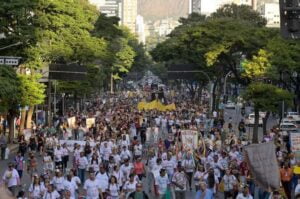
(225, 84)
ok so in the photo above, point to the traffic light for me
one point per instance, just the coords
(290, 18)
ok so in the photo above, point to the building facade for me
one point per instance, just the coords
(271, 12)
(129, 14)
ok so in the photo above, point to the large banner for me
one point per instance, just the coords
(189, 138)
(156, 105)
(70, 143)
(261, 159)
(72, 122)
(90, 122)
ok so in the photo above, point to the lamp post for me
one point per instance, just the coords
(225, 85)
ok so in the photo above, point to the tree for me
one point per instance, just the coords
(265, 97)
(285, 71)
(32, 93)
(9, 96)
(240, 12)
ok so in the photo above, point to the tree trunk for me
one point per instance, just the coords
(265, 121)
(111, 84)
(29, 117)
(255, 128)
(213, 108)
(23, 119)
(11, 125)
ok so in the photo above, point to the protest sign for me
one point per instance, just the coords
(90, 122)
(189, 138)
(70, 143)
(261, 159)
(72, 122)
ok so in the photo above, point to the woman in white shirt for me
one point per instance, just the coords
(198, 177)
(36, 189)
(95, 162)
(113, 188)
(58, 181)
(130, 185)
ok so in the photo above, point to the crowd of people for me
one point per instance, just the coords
(135, 154)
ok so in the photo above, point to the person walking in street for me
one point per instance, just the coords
(161, 184)
(204, 192)
(286, 175)
(138, 193)
(19, 164)
(3, 145)
(179, 180)
(11, 178)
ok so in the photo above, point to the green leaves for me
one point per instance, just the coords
(267, 97)
(258, 66)
(32, 92)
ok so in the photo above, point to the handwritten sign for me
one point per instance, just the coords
(90, 122)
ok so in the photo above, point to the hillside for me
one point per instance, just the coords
(160, 9)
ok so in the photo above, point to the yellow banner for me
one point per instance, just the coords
(156, 105)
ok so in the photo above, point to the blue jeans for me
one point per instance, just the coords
(81, 175)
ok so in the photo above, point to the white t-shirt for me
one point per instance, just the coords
(11, 177)
(169, 165)
(113, 190)
(70, 186)
(130, 187)
(37, 191)
(126, 170)
(58, 153)
(58, 182)
(241, 196)
(82, 162)
(162, 183)
(92, 189)
(52, 195)
(103, 180)
(76, 180)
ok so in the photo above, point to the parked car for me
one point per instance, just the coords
(291, 120)
(249, 121)
(294, 115)
(286, 128)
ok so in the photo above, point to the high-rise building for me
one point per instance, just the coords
(129, 14)
(140, 29)
(112, 8)
(271, 12)
(195, 6)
